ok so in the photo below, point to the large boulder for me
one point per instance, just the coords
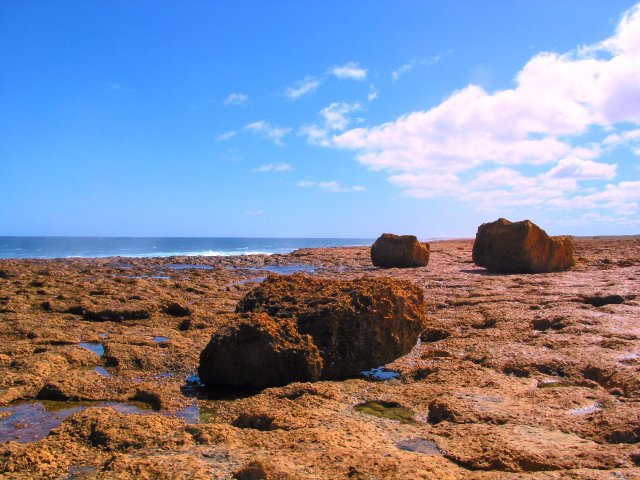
(399, 251)
(521, 247)
(301, 328)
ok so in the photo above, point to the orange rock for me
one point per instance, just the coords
(305, 328)
(521, 247)
(399, 251)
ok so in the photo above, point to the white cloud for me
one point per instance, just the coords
(268, 131)
(332, 186)
(238, 99)
(350, 70)
(335, 115)
(273, 167)
(253, 213)
(302, 88)
(595, 217)
(335, 118)
(484, 147)
(573, 167)
(226, 136)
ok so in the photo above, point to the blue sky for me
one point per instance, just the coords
(318, 119)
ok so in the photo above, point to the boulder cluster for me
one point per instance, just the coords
(301, 328)
(501, 246)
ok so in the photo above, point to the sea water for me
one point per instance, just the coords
(95, 247)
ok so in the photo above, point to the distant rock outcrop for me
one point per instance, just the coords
(521, 247)
(399, 251)
(300, 328)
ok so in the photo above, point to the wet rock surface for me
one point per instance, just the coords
(399, 251)
(515, 376)
(521, 247)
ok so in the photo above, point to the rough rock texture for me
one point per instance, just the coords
(256, 350)
(306, 328)
(521, 247)
(528, 377)
(399, 251)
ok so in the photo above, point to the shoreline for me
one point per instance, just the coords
(197, 255)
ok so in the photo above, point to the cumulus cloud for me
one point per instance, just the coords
(238, 99)
(332, 186)
(273, 167)
(302, 88)
(350, 70)
(524, 145)
(268, 131)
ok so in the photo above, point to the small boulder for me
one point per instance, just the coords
(521, 247)
(301, 328)
(399, 251)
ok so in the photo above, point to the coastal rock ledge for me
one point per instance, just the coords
(521, 247)
(301, 328)
(399, 251)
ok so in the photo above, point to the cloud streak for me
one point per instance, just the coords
(331, 186)
(268, 131)
(349, 71)
(302, 88)
(273, 167)
(237, 99)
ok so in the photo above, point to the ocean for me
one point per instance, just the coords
(95, 247)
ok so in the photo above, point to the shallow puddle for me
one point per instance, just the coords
(388, 410)
(246, 280)
(630, 359)
(29, 422)
(288, 269)
(588, 409)
(161, 339)
(186, 266)
(419, 445)
(198, 413)
(102, 371)
(97, 348)
(552, 383)
(80, 471)
(160, 277)
(381, 374)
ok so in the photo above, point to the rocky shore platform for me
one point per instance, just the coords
(514, 377)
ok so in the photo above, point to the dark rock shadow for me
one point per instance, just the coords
(482, 271)
(194, 388)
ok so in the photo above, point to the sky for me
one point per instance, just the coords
(318, 118)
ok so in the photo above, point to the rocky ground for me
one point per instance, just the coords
(515, 376)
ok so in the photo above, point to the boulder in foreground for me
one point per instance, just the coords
(521, 247)
(399, 251)
(300, 328)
